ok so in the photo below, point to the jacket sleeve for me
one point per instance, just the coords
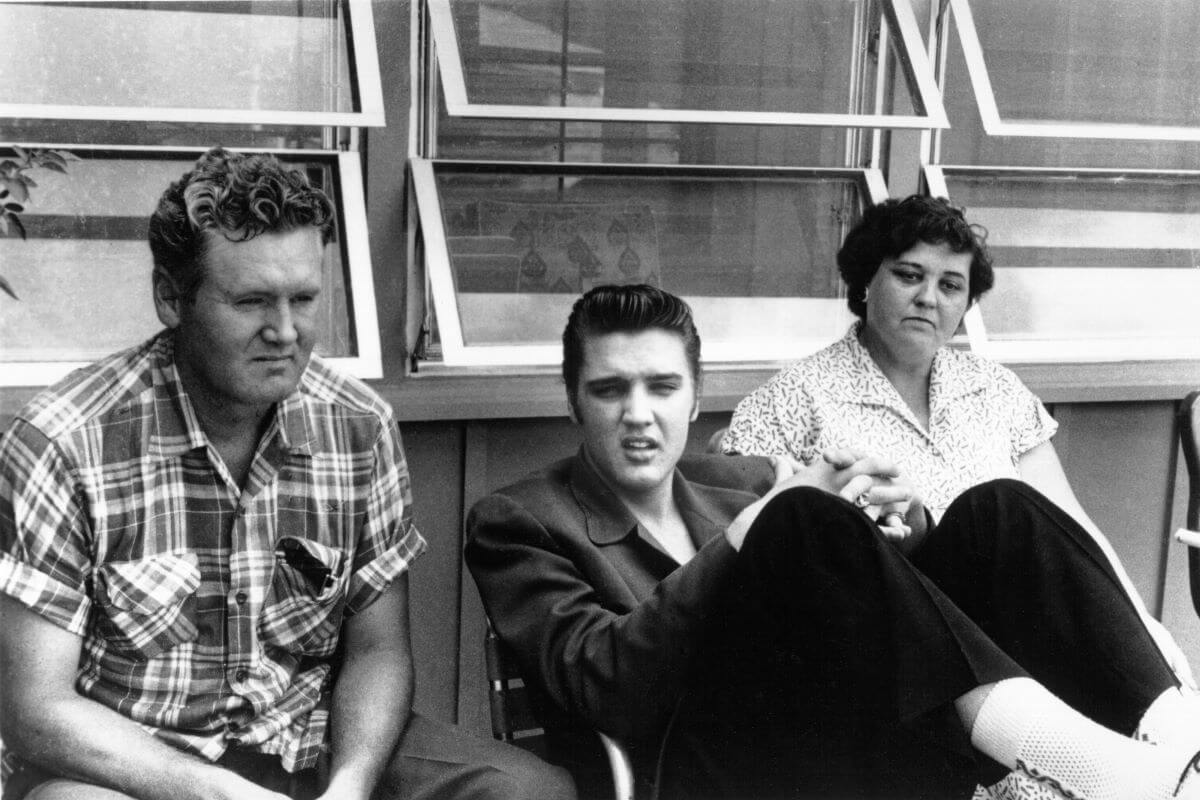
(620, 672)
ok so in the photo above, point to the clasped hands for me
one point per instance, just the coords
(873, 483)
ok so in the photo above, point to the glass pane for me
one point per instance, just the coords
(1077, 61)
(1084, 257)
(83, 273)
(164, 134)
(755, 254)
(1120, 61)
(710, 55)
(638, 143)
(251, 54)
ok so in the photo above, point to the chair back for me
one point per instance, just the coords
(1189, 438)
(508, 697)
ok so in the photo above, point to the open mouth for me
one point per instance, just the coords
(638, 444)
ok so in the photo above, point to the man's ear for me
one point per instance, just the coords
(571, 412)
(695, 409)
(167, 298)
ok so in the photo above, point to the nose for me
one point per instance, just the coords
(636, 410)
(280, 327)
(927, 295)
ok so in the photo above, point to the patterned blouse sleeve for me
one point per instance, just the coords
(1031, 424)
(770, 421)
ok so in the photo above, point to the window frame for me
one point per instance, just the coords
(995, 125)
(458, 356)
(364, 73)
(1048, 350)
(367, 363)
(897, 16)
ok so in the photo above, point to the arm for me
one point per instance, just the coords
(48, 723)
(618, 664)
(373, 695)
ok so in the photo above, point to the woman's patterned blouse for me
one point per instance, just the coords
(981, 418)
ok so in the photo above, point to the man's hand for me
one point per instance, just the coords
(902, 521)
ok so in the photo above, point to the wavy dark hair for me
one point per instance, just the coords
(625, 309)
(234, 195)
(895, 226)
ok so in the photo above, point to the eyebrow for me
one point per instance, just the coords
(921, 266)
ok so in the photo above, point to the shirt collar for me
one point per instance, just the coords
(609, 521)
(949, 379)
(176, 426)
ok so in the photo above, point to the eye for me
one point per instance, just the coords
(304, 299)
(907, 275)
(249, 303)
(606, 391)
(664, 387)
(951, 287)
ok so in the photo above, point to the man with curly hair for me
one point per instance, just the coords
(204, 543)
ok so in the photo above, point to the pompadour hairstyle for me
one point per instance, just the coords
(625, 309)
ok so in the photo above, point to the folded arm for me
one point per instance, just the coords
(48, 723)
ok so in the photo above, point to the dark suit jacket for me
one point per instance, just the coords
(602, 621)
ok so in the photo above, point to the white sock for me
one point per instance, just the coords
(1173, 718)
(1026, 728)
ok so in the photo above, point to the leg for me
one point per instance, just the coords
(832, 671)
(1036, 583)
(435, 760)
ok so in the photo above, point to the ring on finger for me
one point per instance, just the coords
(863, 500)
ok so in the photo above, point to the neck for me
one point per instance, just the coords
(905, 370)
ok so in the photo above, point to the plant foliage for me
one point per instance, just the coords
(15, 184)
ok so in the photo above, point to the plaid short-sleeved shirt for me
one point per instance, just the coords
(208, 613)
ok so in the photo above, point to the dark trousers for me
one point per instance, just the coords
(433, 761)
(833, 668)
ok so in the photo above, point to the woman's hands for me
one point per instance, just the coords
(871, 482)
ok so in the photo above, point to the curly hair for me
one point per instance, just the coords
(625, 309)
(234, 195)
(895, 226)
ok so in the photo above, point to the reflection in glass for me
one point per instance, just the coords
(83, 274)
(747, 250)
(1088, 257)
(267, 56)
(1077, 61)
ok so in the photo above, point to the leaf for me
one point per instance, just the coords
(14, 208)
(4, 223)
(7, 287)
(66, 155)
(22, 154)
(16, 189)
(9, 166)
(55, 166)
(28, 181)
(16, 223)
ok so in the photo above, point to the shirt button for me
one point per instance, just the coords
(241, 675)
(241, 598)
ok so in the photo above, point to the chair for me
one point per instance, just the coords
(1189, 438)
(513, 719)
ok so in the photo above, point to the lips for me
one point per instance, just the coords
(638, 444)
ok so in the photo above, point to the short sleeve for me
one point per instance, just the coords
(389, 541)
(775, 419)
(44, 534)
(1030, 423)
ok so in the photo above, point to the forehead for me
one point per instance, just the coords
(640, 353)
(280, 260)
(937, 258)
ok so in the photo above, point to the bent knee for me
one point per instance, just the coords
(533, 779)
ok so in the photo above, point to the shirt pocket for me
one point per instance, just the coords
(148, 606)
(304, 606)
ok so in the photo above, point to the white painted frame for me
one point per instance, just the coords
(456, 352)
(995, 125)
(364, 71)
(367, 363)
(898, 17)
